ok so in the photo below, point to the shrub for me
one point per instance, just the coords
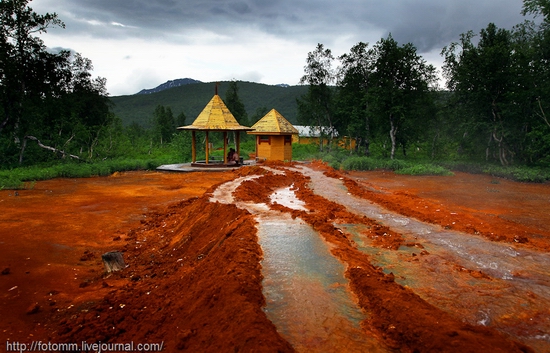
(523, 174)
(424, 169)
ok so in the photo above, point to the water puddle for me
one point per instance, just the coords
(286, 197)
(485, 283)
(307, 296)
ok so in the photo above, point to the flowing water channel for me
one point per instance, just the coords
(511, 291)
(307, 296)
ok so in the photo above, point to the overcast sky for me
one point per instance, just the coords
(138, 44)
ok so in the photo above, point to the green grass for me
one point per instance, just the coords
(424, 169)
(25, 177)
(396, 165)
(517, 173)
(19, 178)
(520, 173)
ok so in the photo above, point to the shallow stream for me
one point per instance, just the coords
(309, 301)
(485, 283)
(307, 296)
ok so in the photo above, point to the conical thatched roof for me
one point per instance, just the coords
(273, 123)
(215, 116)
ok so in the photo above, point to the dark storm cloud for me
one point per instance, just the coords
(429, 24)
(433, 24)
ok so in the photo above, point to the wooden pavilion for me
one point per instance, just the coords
(273, 137)
(214, 117)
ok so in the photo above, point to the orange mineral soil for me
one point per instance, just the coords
(193, 280)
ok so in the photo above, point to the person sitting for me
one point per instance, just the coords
(232, 157)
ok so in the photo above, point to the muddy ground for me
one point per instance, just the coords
(194, 279)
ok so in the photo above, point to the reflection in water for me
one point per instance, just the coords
(308, 298)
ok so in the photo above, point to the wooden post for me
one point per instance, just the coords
(238, 142)
(113, 261)
(206, 149)
(193, 146)
(225, 147)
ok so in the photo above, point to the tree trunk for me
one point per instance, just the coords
(393, 136)
(501, 149)
(320, 135)
(542, 113)
(22, 152)
(4, 123)
(367, 132)
(95, 142)
(487, 150)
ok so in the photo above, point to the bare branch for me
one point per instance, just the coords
(53, 149)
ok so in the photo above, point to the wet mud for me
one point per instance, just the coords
(202, 271)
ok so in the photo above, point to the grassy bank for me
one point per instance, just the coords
(25, 177)
(343, 160)
(19, 178)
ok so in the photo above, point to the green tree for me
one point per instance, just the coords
(399, 90)
(537, 7)
(352, 99)
(181, 119)
(45, 97)
(236, 107)
(316, 107)
(25, 66)
(234, 103)
(258, 114)
(532, 42)
(72, 119)
(491, 81)
(164, 124)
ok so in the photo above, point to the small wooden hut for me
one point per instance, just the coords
(273, 137)
(214, 117)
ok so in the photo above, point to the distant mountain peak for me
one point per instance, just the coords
(169, 84)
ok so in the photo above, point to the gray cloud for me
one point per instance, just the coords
(429, 24)
(136, 41)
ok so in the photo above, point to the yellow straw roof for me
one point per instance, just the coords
(215, 116)
(275, 124)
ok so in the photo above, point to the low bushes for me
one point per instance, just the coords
(16, 178)
(398, 166)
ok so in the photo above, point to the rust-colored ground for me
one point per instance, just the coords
(499, 209)
(193, 279)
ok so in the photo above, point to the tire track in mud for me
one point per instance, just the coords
(395, 314)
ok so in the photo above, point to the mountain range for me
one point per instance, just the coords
(191, 96)
(169, 84)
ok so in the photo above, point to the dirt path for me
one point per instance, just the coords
(194, 280)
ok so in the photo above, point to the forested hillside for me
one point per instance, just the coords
(493, 110)
(191, 99)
